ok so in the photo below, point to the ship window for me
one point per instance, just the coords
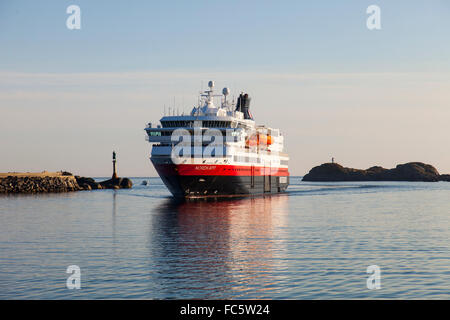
(155, 133)
(216, 124)
(178, 123)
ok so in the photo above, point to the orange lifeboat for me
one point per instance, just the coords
(252, 141)
(259, 139)
(264, 139)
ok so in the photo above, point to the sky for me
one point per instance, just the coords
(313, 69)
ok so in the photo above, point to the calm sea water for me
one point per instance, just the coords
(314, 242)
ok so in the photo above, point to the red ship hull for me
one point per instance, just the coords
(206, 180)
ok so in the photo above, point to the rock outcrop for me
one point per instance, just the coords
(413, 171)
(117, 183)
(88, 183)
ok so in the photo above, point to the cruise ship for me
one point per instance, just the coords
(218, 151)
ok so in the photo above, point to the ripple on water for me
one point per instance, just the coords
(314, 242)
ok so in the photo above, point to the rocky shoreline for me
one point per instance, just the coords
(412, 171)
(48, 182)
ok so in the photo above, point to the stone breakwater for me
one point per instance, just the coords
(55, 182)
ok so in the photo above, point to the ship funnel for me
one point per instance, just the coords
(243, 104)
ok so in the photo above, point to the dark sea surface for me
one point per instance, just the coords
(314, 242)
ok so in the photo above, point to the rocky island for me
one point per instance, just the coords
(412, 171)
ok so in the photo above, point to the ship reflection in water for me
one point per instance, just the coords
(217, 249)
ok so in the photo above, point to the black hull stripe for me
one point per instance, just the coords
(223, 186)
